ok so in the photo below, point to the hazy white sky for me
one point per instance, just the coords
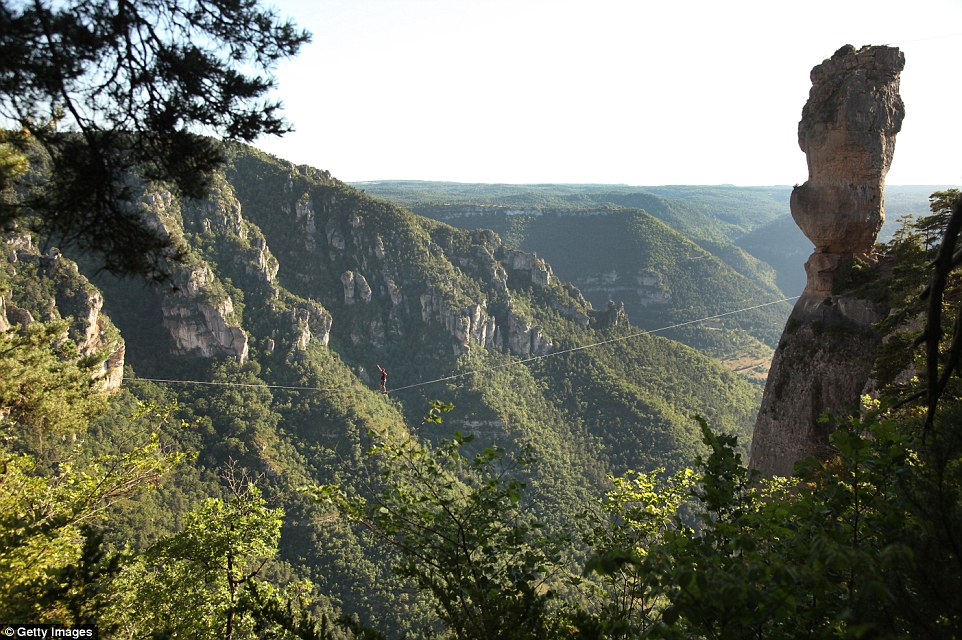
(607, 91)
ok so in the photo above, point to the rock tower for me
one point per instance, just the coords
(827, 349)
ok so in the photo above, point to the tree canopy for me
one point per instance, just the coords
(99, 86)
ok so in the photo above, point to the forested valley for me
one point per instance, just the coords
(551, 478)
(240, 398)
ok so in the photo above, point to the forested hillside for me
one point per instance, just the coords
(248, 471)
(241, 399)
(665, 253)
(717, 244)
(264, 343)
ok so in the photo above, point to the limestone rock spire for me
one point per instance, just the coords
(827, 350)
(847, 132)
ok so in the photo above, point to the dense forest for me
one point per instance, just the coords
(266, 254)
(240, 398)
(551, 493)
(669, 254)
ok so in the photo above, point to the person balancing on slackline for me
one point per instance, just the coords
(383, 379)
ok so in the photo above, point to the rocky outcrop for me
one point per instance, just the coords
(500, 325)
(264, 266)
(59, 291)
(220, 214)
(481, 263)
(847, 132)
(472, 325)
(613, 316)
(356, 287)
(525, 339)
(530, 265)
(643, 288)
(334, 238)
(97, 336)
(478, 326)
(311, 323)
(198, 312)
(17, 316)
(199, 317)
(219, 209)
(826, 353)
(822, 364)
(305, 219)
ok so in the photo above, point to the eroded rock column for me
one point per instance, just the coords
(827, 349)
(847, 132)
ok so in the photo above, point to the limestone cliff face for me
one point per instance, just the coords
(49, 287)
(199, 320)
(356, 287)
(644, 287)
(529, 264)
(363, 253)
(825, 355)
(220, 220)
(198, 313)
(471, 325)
(822, 364)
(342, 250)
(311, 322)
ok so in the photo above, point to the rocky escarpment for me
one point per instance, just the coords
(311, 323)
(48, 287)
(198, 313)
(643, 287)
(826, 353)
(359, 255)
(344, 252)
(200, 319)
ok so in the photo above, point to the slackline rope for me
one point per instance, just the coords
(475, 371)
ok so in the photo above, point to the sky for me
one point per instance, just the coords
(639, 92)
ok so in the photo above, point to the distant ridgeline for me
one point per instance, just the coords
(669, 261)
(295, 286)
(668, 253)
